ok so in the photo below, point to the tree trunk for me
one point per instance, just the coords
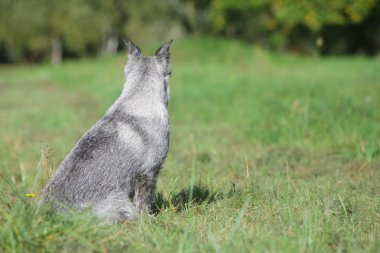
(56, 51)
(110, 45)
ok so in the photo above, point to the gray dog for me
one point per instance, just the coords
(113, 168)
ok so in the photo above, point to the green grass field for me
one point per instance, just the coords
(269, 153)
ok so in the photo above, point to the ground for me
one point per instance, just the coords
(269, 152)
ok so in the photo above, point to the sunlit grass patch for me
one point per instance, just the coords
(268, 152)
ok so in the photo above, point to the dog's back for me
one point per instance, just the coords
(114, 166)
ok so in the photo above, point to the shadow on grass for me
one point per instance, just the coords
(187, 197)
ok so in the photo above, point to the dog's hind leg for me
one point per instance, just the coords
(145, 187)
(116, 207)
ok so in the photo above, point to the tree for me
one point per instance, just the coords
(284, 21)
(74, 23)
(28, 28)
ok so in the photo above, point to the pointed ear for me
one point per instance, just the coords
(163, 51)
(133, 49)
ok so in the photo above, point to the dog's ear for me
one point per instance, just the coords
(163, 52)
(133, 49)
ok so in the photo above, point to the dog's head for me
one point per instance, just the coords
(148, 69)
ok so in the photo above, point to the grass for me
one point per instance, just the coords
(269, 153)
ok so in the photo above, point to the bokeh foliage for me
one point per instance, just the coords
(51, 29)
(294, 23)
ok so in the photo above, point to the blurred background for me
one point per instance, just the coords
(51, 30)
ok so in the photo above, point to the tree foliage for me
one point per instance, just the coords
(28, 28)
(279, 21)
(51, 29)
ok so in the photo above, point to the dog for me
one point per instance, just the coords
(113, 168)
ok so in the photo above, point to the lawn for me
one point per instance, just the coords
(269, 152)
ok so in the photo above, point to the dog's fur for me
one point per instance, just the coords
(114, 167)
